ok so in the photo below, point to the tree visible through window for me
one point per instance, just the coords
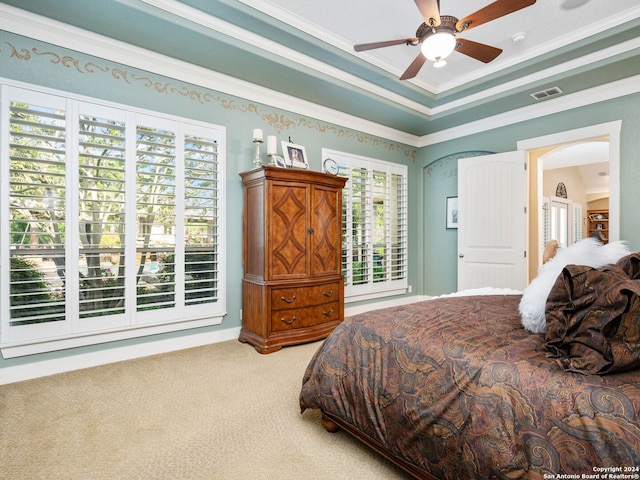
(374, 257)
(102, 232)
(37, 183)
(112, 215)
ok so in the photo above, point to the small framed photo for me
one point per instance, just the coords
(278, 161)
(295, 155)
(452, 212)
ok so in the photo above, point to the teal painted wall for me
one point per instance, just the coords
(439, 172)
(38, 63)
(432, 170)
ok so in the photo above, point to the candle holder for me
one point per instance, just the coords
(257, 161)
(272, 149)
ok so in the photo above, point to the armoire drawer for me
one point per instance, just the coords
(298, 297)
(292, 318)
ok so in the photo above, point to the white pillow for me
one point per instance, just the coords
(587, 252)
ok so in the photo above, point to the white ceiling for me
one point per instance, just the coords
(547, 26)
(591, 159)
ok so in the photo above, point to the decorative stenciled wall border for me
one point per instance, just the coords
(450, 163)
(279, 122)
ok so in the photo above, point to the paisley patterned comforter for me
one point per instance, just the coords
(457, 388)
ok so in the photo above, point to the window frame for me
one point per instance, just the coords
(74, 331)
(372, 289)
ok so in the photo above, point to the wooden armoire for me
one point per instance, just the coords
(293, 288)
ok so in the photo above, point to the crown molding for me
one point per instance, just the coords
(572, 36)
(34, 26)
(288, 54)
(57, 33)
(542, 75)
(602, 93)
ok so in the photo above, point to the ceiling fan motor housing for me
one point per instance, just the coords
(447, 24)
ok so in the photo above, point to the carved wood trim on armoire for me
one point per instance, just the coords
(293, 288)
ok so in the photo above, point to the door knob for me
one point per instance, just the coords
(461, 255)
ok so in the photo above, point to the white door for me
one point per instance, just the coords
(492, 221)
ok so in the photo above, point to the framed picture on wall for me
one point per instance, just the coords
(452, 212)
(295, 155)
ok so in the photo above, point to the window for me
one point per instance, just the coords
(110, 221)
(562, 221)
(374, 226)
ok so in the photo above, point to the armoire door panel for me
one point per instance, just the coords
(289, 236)
(326, 237)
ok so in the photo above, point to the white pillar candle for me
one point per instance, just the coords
(272, 145)
(257, 134)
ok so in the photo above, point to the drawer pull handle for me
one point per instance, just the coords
(328, 314)
(288, 301)
(288, 322)
(329, 293)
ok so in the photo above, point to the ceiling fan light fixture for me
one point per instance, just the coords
(439, 63)
(438, 46)
(437, 39)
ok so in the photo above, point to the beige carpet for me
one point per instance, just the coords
(217, 412)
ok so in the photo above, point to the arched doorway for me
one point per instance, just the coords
(537, 147)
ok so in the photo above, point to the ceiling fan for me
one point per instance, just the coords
(436, 36)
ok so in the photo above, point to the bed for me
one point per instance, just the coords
(455, 388)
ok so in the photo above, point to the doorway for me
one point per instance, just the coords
(537, 148)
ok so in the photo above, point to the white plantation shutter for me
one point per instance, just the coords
(358, 248)
(108, 216)
(201, 220)
(546, 220)
(398, 219)
(577, 222)
(36, 205)
(381, 226)
(156, 218)
(374, 250)
(102, 229)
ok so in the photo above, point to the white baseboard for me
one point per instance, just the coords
(45, 368)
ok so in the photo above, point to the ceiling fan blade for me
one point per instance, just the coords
(414, 68)
(491, 12)
(387, 43)
(479, 51)
(430, 11)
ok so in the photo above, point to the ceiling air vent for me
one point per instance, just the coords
(549, 92)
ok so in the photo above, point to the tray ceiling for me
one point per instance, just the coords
(305, 49)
